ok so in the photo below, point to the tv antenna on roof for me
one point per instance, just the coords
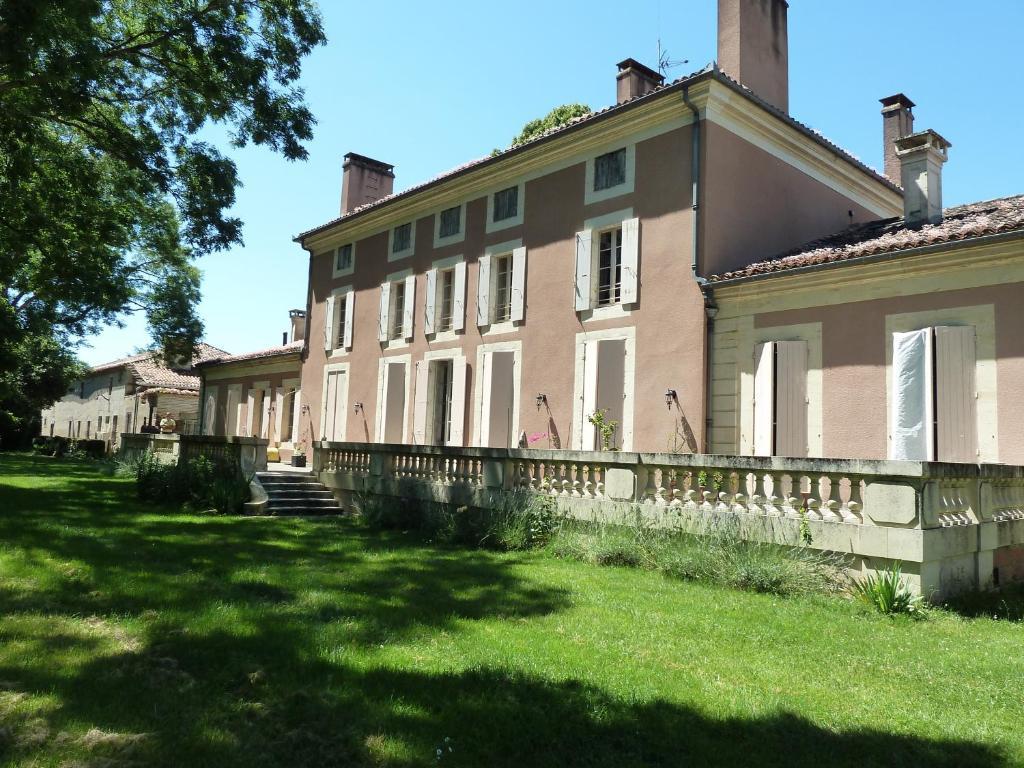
(665, 63)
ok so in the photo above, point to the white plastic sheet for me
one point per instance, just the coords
(912, 400)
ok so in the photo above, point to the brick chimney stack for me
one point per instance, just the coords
(364, 180)
(753, 47)
(897, 122)
(634, 79)
(297, 319)
(921, 157)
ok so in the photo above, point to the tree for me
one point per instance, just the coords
(556, 118)
(107, 193)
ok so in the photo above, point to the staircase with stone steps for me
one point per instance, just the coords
(292, 493)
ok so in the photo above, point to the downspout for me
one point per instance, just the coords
(709, 303)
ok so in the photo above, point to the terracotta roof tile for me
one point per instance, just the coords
(149, 373)
(285, 349)
(963, 222)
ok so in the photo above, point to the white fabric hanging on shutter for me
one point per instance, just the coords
(518, 311)
(912, 405)
(385, 306)
(764, 399)
(459, 298)
(588, 432)
(329, 324)
(350, 314)
(410, 307)
(483, 291)
(419, 403)
(955, 394)
(791, 398)
(428, 302)
(458, 416)
(583, 245)
(629, 291)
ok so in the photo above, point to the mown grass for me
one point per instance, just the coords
(130, 635)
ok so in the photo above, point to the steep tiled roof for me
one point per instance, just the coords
(711, 70)
(148, 372)
(990, 217)
(285, 349)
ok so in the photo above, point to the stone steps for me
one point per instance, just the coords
(291, 493)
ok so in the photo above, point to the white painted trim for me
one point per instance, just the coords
(328, 370)
(505, 248)
(513, 221)
(626, 188)
(983, 318)
(500, 329)
(412, 241)
(481, 415)
(335, 272)
(628, 387)
(342, 351)
(441, 242)
(382, 386)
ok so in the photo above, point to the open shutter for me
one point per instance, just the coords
(483, 291)
(459, 298)
(583, 243)
(421, 398)
(350, 314)
(458, 424)
(329, 324)
(913, 408)
(385, 306)
(428, 302)
(410, 307)
(791, 398)
(764, 399)
(630, 260)
(518, 285)
(588, 433)
(955, 394)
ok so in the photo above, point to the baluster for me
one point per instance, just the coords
(563, 473)
(599, 474)
(577, 486)
(661, 491)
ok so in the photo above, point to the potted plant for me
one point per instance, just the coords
(299, 457)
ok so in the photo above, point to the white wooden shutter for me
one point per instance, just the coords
(764, 398)
(410, 307)
(583, 244)
(350, 314)
(791, 398)
(265, 420)
(518, 285)
(483, 291)
(329, 324)
(459, 298)
(330, 408)
(420, 400)
(955, 394)
(385, 307)
(913, 407)
(458, 424)
(484, 406)
(209, 413)
(382, 387)
(630, 261)
(588, 433)
(429, 302)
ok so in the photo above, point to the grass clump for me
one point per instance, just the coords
(887, 592)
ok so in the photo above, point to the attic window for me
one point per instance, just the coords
(451, 221)
(506, 203)
(610, 170)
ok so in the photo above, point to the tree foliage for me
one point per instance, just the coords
(556, 118)
(107, 190)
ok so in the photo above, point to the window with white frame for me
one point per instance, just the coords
(397, 299)
(344, 258)
(402, 241)
(610, 170)
(502, 285)
(396, 311)
(338, 320)
(607, 263)
(609, 266)
(506, 204)
(451, 222)
(444, 308)
(439, 407)
(446, 299)
(340, 310)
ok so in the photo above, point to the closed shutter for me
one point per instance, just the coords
(429, 302)
(330, 407)
(764, 399)
(329, 324)
(410, 307)
(518, 285)
(588, 433)
(209, 413)
(385, 306)
(265, 420)
(458, 423)
(630, 261)
(483, 291)
(913, 409)
(791, 398)
(422, 398)
(955, 394)
(459, 298)
(350, 314)
(484, 406)
(382, 387)
(583, 244)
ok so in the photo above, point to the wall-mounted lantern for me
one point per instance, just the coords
(357, 407)
(670, 398)
(542, 400)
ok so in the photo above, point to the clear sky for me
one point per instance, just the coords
(428, 86)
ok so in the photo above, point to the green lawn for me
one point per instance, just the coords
(131, 636)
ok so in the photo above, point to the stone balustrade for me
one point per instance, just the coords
(249, 452)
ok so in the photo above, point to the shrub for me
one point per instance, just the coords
(887, 592)
(200, 484)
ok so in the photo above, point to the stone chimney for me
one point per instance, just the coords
(921, 157)
(364, 180)
(753, 47)
(897, 122)
(297, 318)
(634, 79)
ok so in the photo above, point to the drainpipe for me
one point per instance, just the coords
(695, 175)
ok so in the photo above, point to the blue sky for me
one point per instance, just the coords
(428, 86)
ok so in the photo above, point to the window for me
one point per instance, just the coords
(344, 258)
(506, 204)
(110, 386)
(341, 312)
(609, 269)
(439, 406)
(451, 222)
(397, 311)
(607, 263)
(502, 288)
(402, 240)
(610, 170)
(604, 383)
(88, 427)
(397, 300)
(501, 296)
(446, 290)
(780, 399)
(338, 315)
(440, 426)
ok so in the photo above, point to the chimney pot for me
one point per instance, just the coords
(364, 180)
(753, 47)
(897, 122)
(634, 79)
(921, 157)
(297, 319)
